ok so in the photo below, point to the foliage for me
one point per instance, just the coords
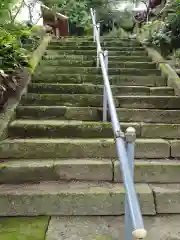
(118, 32)
(167, 36)
(12, 55)
(17, 41)
(79, 12)
(4, 9)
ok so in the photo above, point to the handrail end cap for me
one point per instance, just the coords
(139, 233)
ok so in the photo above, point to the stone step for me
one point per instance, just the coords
(92, 63)
(110, 227)
(98, 89)
(70, 198)
(34, 170)
(49, 70)
(86, 42)
(121, 80)
(94, 52)
(90, 38)
(55, 56)
(41, 148)
(92, 100)
(65, 129)
(80, 129)
(95, 114)
(93, 47)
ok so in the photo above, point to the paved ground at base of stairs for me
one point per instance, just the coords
(165, 227)
(110, 228)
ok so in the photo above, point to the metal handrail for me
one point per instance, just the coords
(134, 225)
(57, 13)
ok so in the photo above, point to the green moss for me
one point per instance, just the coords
(23, 228)
(163, 67)
(65, 99)
(37, 54)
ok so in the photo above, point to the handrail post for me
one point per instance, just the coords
(105, 101)
(130, 146)
(94, 30)
(98, 40)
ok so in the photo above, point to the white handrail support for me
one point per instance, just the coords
(94, 35)
(105, 102)
(138, 230)
(97, 37)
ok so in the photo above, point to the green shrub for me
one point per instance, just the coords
(167, 36)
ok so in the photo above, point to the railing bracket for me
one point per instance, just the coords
(119, 134)
(101, 51)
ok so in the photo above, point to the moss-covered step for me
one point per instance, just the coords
(94, 52)
(64, 99)
(68, 62)
(95, 114)
(93, 70)
(121, 80)
(94, 47)
(92, 63)
(23, 228)
(41, 148)
(166, 131)
(79, 129)
(54, 56)
(70, 199)
(36, 170)
(65, 129)
(92, 100)
(87, 89)
(162, 91)
(155, 171)
(85, 42)
(98, 89)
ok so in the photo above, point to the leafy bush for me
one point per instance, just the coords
(79, 13)
(118, 32)
(167, 36)
(17, 41)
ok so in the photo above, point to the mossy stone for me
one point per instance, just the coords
(23, 228)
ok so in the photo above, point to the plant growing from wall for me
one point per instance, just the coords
(167, 35)
(17, 41)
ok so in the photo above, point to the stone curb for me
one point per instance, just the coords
(173, 80)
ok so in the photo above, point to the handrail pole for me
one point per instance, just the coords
(98, 40)
(94, 34)
(105, 102)
(134, 208)
(130, 147)
(122, 155)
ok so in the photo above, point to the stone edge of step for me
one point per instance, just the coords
(34, 170)
(74, 198)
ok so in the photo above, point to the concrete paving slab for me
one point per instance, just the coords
(110, 228)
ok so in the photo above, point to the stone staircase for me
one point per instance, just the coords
(60, 158)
